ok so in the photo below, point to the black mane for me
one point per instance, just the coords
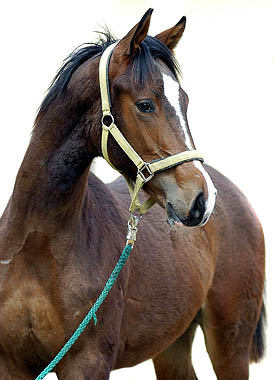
(143, 63)
(71, 64)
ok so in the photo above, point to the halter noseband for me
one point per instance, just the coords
(145, 170)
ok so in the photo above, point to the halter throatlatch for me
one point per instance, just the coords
(145, 170)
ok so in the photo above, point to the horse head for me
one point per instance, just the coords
(149, 107)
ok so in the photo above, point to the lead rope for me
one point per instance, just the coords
(131, 238)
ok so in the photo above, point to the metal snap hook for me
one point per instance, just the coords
(132, 228)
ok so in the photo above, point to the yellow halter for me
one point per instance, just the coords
(145, 170)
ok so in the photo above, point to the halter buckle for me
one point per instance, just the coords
(145, 172)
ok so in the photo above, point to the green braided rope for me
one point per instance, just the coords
(91, 314)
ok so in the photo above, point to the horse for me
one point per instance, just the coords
(63, 230)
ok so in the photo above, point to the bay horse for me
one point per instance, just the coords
(63, 230)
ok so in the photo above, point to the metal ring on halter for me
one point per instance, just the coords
(109, 115)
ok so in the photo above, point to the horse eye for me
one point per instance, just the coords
(146, 106)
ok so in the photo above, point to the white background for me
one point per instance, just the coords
(227, 60)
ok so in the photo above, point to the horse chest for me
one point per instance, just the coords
(28, 316)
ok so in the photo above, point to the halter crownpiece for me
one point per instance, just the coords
(145, 170)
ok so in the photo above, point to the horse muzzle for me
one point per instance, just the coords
(189, 201)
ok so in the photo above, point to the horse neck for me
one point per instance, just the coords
(51, 182)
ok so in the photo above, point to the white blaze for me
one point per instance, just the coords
(212, 192)
(172, 93)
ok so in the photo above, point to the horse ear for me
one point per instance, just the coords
(172, 36)
(131, 42)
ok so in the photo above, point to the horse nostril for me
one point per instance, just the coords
(195, 214)
(197, 210)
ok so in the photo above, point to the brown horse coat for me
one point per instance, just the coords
(63, 231)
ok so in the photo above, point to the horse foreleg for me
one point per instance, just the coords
(11, 372)
(175, 362)
(85, 364)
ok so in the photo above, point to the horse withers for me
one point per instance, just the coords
(63, 230)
